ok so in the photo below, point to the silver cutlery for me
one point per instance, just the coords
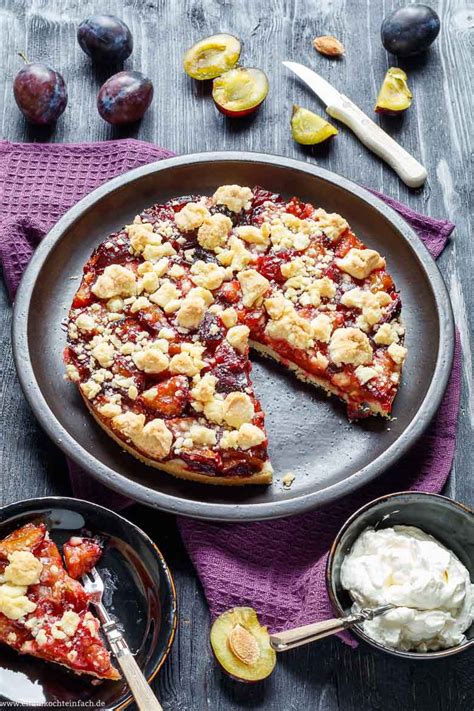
(142, 693)
(282, 641)
(369, 133)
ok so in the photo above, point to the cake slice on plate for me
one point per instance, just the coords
(44, 612)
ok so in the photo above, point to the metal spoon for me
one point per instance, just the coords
(282, 641)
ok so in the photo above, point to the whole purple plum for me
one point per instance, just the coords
(125, 97)
(105, 38)
(40, 93)
(410, 30)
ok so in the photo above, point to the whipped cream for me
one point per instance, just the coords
(425, 580)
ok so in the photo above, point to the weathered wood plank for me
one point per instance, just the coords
(327, 676)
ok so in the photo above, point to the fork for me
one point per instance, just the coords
(142, 693)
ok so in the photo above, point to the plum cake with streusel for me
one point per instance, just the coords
(160, 328)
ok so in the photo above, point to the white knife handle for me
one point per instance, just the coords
(410, 171)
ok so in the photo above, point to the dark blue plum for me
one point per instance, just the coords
(40, 93)
(125, 97)
(410, 30)
(105, 38)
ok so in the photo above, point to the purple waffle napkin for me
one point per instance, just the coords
(275, 566)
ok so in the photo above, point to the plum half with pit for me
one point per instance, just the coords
(212, 56)
(125, 97)
(410, 30)
(394, 95)
(105, 38)
(308, 128)
(40, 93)
(240, 91)
(242, 646)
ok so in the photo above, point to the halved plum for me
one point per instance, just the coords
(308, 128)
(242, 646)
(212, 56)
(240, 91)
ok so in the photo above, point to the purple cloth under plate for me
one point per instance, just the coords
(277, 567)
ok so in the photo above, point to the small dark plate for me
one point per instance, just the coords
(139, 592)
(309, 434)
(450, 522)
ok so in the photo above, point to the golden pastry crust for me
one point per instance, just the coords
(179, 468)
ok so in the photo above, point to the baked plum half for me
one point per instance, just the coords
(80, 555)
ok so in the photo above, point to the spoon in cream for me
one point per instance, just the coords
(282, 641)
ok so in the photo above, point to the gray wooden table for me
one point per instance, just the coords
(327, 676)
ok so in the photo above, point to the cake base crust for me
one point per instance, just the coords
(301, 374)
(178, 467)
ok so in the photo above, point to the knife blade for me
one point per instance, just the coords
(367, 131)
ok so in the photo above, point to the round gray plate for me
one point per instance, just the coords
(309, 434)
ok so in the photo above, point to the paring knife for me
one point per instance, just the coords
(343, 109)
